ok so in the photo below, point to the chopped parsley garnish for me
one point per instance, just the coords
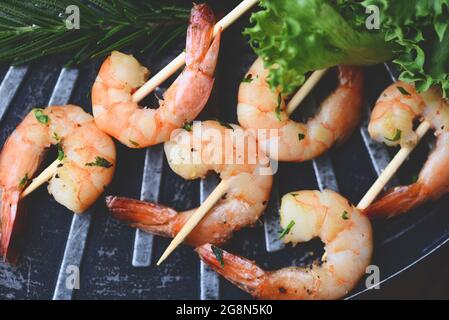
(403, 91)
(134, 143)
(301, 136)
(396, 137)
(41, 116)
(56, 136)
(248, 78)
(188, 126)
(100, 162)
(286, 231)
(218, 255)
(414, 178)
(226, 125)
(23, 181)
(60, 152)
(278, 108)
(345, 215)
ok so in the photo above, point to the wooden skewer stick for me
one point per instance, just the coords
(305, 90)
(391, 169)
(216, 195)
(42, 178)
(179, 61)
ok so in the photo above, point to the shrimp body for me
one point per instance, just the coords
(121, 75)
(392, 123)
(87, 164)
(192, 154)
(347, 237)
(261, 108)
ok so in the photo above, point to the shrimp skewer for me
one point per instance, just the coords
(348, 241)
(260, 108)
(209, 146)
(116, 110)
(87, 158)
(117, 114)
(392, 123)
(179, 61)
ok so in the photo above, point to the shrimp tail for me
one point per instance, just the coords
(149, 217)
(396, 201)
(9, 214)
(242, 272)
(350, 76)
(199, 34)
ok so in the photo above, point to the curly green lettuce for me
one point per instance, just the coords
(294, 37)
(420, 29)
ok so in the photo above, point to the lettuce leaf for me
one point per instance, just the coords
(294, 37)
(297, 36)
(420, 29)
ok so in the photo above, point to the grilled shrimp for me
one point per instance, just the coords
(121, 75)
(87, 165)
(261, 108)
(392, 123)
(348, 241)
(209, 146)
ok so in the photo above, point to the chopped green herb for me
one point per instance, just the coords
(225, 124)
(134, 143)
(218, 254)
(301, 136)
(41, 116)
(414, 178)
(100, 162)
(345, 215)
(188, 126)
(60, 152)
(396, 137)
(278, 108)
(403, 91)
(286, 231)
(56, 136)
(248, 78)
(23, 181)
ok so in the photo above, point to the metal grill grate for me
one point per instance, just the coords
(10, 84)
(151, 185)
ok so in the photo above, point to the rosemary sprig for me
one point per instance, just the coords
(36, 28)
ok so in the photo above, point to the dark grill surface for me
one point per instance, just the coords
(104, 247)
